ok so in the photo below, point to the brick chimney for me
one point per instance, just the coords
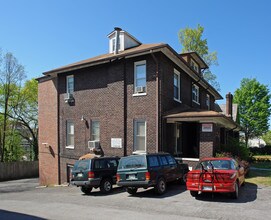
(229, 98)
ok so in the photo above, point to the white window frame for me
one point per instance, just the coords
(196, 93)
(135, 135)
(194, 65)
(179, 85)
(68, 122)
(113, 44)
(92, 134)
(208, 103)
(143, 62)
(67, 84)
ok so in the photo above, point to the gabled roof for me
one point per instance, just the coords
(138, 51)
(197, 58)
(104, 58)
(222, 108)
(125, 32)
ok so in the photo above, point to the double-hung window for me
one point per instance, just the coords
(69, 134)
(194, 65)
(140, 135)
(195, 93)
(69, 84)
(177, 86)
(140, 77)
(95, 130)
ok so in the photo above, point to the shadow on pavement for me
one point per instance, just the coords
(115, 190)
(172, 190)
(17, 216)
(247, 193)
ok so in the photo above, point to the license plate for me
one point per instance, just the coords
(132, 177)
(80, 175)
(207, 188)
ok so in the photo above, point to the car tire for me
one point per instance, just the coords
(161, 186)
(235, 194)
(106, 185)
(194, 193)
(86, 190)
(131, 190)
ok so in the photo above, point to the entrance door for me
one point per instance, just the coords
(191, 140)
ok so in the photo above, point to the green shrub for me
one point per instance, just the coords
(261, 150)
(234, 148)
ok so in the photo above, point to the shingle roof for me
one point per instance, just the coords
(108, 56)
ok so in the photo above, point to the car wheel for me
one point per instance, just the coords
(194, 193)
(161, 186)
(86, 190)
(131, 190)
(106, 185)
(235, 194)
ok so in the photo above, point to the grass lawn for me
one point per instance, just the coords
(260, 177)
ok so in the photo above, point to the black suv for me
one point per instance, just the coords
(95, 172)
(149, 170)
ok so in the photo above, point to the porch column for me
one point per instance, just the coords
(207, 140)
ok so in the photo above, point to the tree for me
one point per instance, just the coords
(11, 75)
(191, 40)
(253, 101)
(267, 138)
(25, 111)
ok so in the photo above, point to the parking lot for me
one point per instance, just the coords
(23, 199)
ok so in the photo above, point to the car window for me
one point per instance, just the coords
(216, 164)
(171, 160)
(131, 162)
(82, 165)
(163, 160)
(100, 164)
(153, 161)
(112, 163)
(234, 165)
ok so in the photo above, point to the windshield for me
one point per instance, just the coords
(132, 162)
(82, 165)
(217, 165)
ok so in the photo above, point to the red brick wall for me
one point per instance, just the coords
(99, 95)
(48, 153)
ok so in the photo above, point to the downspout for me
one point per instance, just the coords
(124, 109)
(58, 135)
(157, 107)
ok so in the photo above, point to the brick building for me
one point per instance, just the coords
(137, 97)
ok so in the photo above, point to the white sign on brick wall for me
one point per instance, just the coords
(116, 142)
(207, 127)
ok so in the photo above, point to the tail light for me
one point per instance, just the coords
(147, 176)
(118, 177)
(192, 176)
(90, 174)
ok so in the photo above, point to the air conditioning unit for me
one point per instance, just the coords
(140, 89)
(93, 144)
(68, 97)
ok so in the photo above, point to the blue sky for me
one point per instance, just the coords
(47, 34)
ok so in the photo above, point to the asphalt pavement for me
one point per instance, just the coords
(24, 199)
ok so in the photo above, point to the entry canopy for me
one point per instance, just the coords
(203, 116)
